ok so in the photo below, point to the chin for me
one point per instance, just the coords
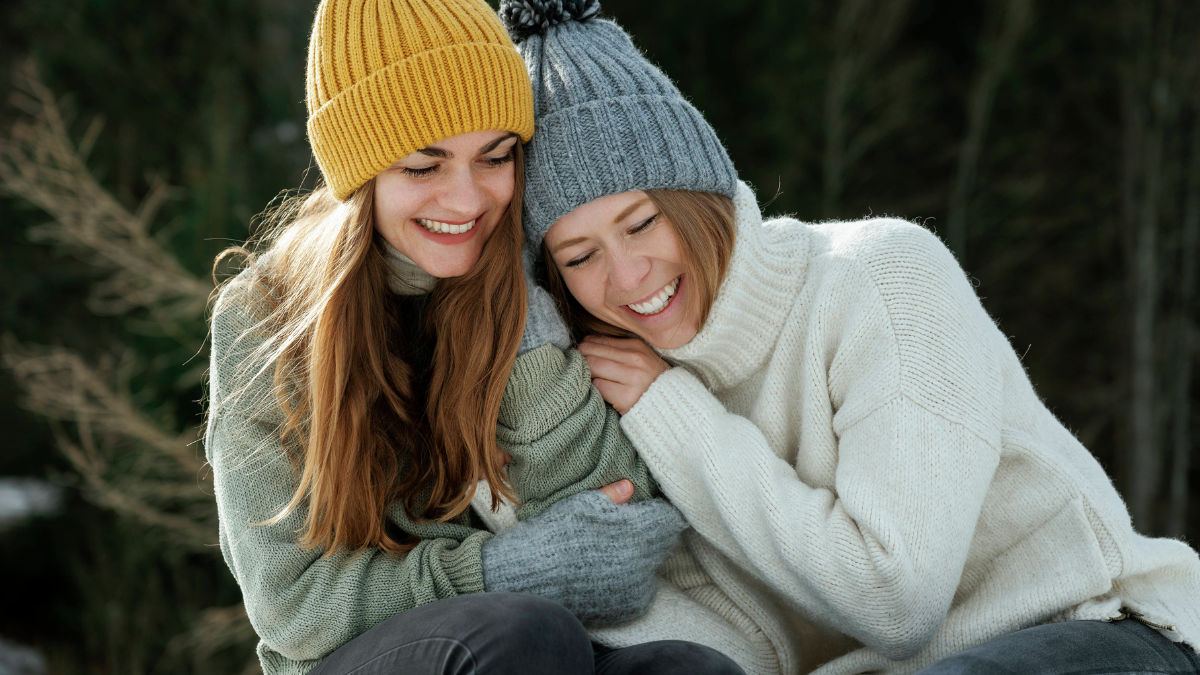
(446, 269)
(673, 338)
(451, 271)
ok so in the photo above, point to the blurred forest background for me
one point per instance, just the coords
(1055, 146)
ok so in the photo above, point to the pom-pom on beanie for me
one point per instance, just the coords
(389, 77)
(608, 120)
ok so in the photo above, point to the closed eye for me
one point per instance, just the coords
(499, 161)
(419, 172)
(580, 260)
(645, 224)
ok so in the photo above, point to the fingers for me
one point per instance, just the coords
(619, 492)
(631, 351)
(610, 370)
(619, 343)
(622, 368)
(619, 395)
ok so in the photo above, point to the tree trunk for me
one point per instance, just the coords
(997, 56)
(1152, 83)
(1186, 343)
(1147, 464)
(864, 31)
(843, 71)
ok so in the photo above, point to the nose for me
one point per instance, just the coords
(461, 193)
(627, 269)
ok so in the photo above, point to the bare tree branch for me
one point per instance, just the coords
(217, 628)
(40, 163)
(125, 460)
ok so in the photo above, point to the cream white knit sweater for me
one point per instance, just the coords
(854, 433)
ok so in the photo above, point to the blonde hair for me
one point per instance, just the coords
(364, 437)
(703, 222)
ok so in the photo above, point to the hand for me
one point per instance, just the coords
(619, 492)
(622, 369)
(595, 557)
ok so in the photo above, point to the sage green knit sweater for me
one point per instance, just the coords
(304, 605)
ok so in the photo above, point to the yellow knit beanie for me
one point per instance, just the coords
(389, 77)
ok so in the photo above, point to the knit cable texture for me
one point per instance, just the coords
(595, 557)
(853, 432)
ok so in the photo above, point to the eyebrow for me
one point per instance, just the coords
(630, 209)
(443, 154)
(496, 143)
(620, 216)
(569, 242)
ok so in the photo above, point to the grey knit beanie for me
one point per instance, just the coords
(606, 120)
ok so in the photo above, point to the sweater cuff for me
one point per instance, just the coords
(463, 564)
(667, 416)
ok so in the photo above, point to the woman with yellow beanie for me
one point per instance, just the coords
(375, 356)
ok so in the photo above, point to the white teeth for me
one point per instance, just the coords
(438, 227)
(658, 302)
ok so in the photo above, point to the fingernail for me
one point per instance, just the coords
(625, 488)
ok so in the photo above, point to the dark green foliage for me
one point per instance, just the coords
(209, 95)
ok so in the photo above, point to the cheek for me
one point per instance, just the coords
(587, 288)
(500, 185)
(666, 246)
(395, 202)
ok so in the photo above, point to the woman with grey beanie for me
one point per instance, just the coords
(855, 443)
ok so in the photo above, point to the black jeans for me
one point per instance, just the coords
(1074, 648)
(507, 634)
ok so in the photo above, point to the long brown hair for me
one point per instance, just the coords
(364, 438)
(703, 222)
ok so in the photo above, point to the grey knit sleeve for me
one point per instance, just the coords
(303, 605)
(563, 437)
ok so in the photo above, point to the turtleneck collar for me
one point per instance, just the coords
(407, 277)
(765, 274)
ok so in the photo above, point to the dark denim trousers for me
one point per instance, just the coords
(507, 634)
(1074, 648)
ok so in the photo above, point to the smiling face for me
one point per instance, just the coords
(622, 261)
(439, 205)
